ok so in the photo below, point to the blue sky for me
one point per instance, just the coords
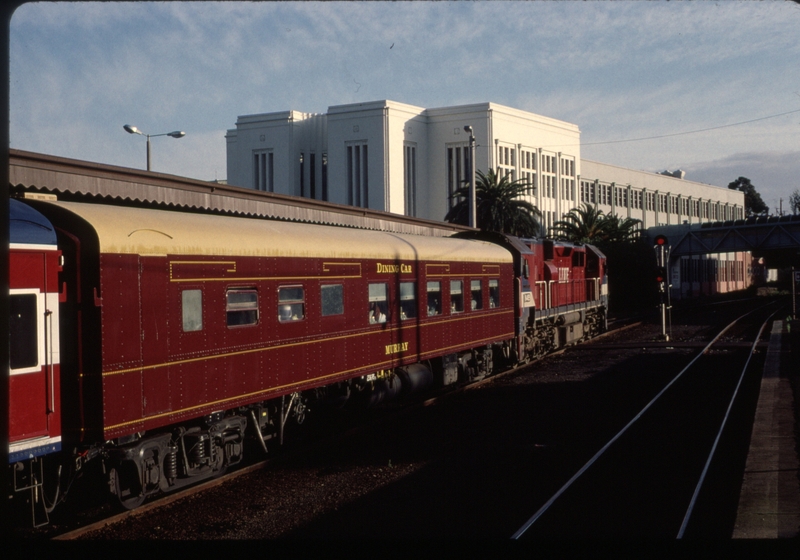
(619, 70)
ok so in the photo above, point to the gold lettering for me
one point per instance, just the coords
(396, 348)
(394, 268)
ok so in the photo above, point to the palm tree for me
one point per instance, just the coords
(588, 224)
(581, 225)
(621, 230)
(497, 206)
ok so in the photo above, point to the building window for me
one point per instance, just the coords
(567, 179)
(192, 310)
(291, 303)
(458, 170)
(264, 171)
(587, 192)
(410, 178)
(506, 162)
(548, 174)
(332, 297)
(527, 163)
(357, 175)
(241, 306)
(621, 197)
(650, 199)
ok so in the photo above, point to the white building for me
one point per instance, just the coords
(404, 159)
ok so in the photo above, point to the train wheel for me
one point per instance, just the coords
(126, 487)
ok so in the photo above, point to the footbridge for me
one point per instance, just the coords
(757, 235)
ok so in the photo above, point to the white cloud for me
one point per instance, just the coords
(617, 69)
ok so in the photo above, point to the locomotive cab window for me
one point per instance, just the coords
(378, 303)
(332, 297)
(477, 294)
(24, 342)
(456, 296)
(494, 293)
(192, 310)
(241, 306)
(434, 298)
(291, 303)
(408, 300)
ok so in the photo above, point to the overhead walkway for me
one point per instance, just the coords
(752, 234)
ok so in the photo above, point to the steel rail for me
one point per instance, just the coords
(165, 499)
(527, 525)
(700, 482)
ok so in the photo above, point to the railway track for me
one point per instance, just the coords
(105, 515)
(366, 510)
(673, 470)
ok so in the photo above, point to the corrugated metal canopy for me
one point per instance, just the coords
(80, 180)
(160, 232)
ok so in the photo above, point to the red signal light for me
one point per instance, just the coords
(661, 240)
(661, 274)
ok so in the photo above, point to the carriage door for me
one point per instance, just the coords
(155, 340)
(32, 374)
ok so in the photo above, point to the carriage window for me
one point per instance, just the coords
(24, 351)
(434, 298)
(291, 303)
(408, 300)
(456, 296)
(494, 293)
(192, 310)
(477, 294)
(332, 299)
(378, 303)
(242, 307)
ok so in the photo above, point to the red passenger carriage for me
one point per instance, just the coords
(182, 333)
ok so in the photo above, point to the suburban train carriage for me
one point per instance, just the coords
(34, 373)
(34, 411)
(175, 316)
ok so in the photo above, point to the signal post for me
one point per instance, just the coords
(661, 248)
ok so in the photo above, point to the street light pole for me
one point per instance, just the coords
(472, 210)
(133, 130)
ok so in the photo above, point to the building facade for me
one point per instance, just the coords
(409, 160)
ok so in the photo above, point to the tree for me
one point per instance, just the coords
(581, 225)
(588, 224)
(794, 202)
(621, 230)
(753, 204)
(497, 206)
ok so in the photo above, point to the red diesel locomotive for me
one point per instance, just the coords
(158, 341)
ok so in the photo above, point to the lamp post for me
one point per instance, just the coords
(473, 222)
(133, 130)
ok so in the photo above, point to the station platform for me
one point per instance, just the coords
(769, 502)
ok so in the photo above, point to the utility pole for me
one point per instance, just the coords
(473, 221)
